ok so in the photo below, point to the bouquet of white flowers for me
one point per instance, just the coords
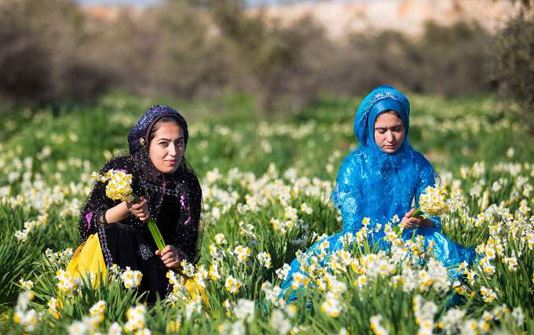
(432, 202)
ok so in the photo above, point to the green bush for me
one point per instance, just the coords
(43, 56)
(513, 64)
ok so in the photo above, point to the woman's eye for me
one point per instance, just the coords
(163, 144)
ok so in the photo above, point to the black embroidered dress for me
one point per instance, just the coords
(174, 201)
(129, 243)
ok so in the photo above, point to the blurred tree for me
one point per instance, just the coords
(42, 53)
(271, 58)
(189, 61)
(453, 59)
(513, 62)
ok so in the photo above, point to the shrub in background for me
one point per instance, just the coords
(513, 63)
(42, 54)
(51, 52)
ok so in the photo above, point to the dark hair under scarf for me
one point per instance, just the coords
(143, 127)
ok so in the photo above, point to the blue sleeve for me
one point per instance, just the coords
(427, 178)
(347, 193)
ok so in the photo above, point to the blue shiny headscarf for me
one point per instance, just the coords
(143, 126)
(375, 184)
(381, 99)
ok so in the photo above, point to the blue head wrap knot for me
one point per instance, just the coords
(143, 126)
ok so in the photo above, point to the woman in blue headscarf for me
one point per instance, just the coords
(381, 180)
(169, 193)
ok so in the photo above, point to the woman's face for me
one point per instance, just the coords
(167, 147)
(389, 132)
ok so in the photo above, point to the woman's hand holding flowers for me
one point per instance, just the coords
(409, 221)
(170, 256)
(139, 209)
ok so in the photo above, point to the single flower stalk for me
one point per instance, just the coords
(119, 187)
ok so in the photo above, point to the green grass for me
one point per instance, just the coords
(268, 164)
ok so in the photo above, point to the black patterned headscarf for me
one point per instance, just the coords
(142, 128)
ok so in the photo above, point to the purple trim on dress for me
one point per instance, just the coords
(184, 204)
(88, 219)
(104, 246)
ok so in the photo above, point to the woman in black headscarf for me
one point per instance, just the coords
(169, 192)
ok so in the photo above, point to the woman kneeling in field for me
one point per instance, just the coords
(378, 183)
(166, 190)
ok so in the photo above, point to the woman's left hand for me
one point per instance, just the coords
(170, 256)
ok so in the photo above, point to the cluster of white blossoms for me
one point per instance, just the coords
(265, 259)
(36, 193)
(424, 315)
(376, 327)
(260, 192)
(179, 291)
(332, 305)
(131, 278)
(242, 253)
(90, 324)
(488, 295)
(60, 258)
(433, 201)
(41, 220)
(244, 310)
(119, 184)
(232, 284)
(24, 316)
(54, 307)
(136, 321)
(67, 283)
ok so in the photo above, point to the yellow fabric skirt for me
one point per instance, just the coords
(88, 260)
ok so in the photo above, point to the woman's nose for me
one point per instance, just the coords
(172, 149)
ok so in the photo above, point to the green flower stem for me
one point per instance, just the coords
(156, 234)
(153, 227)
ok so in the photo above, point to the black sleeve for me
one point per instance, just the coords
(92, 215)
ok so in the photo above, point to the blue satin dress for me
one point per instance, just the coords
(381, 186)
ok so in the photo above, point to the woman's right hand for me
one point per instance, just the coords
(409, 221)
(139, 209)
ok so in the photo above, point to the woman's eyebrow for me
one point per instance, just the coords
(168, 139)
(395, 126)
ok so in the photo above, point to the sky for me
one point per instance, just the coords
(119, 2)
(152, 2)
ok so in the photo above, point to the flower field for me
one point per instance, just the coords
(266, 185)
